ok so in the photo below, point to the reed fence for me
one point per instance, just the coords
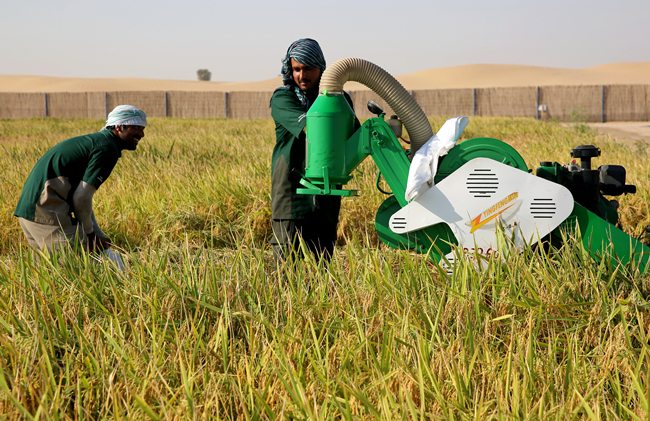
(596, 103)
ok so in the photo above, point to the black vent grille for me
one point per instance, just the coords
(542, 208)
(450, 268)
(398, 223)
(482, 182)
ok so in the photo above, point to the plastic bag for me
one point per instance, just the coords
(114, 257)
(425, 162)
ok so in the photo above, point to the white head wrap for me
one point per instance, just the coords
(126, 115)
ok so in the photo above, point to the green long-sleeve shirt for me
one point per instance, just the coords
(47, 195)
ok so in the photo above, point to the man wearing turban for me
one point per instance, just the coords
(55, 206)
(314, 218)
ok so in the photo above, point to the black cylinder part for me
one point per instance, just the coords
(585, 153)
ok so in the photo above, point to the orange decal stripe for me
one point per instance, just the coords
(477, 223)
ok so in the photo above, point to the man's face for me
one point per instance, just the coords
(305, 77)
(131, 135)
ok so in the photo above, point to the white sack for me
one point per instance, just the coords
(425, 162)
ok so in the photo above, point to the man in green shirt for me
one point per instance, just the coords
(55, 206)
(314, 218)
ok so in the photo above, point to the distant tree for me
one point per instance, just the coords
(203, 74)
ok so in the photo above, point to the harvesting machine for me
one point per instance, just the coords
(482, 186)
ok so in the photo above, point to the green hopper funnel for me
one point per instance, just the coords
(330, 122)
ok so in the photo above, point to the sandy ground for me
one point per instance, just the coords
(629, 133)
(469, 76)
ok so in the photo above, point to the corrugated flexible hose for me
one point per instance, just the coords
(384, 85)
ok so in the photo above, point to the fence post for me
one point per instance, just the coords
(602, 105)
(46, 110)
(474, 104)
(538, 103)
(106, 104)
(165, 104)
(226, 96)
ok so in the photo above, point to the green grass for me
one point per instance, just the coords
(203, 325)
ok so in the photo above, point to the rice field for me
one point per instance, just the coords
(203, 325)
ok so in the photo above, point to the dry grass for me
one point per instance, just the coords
(203, 325)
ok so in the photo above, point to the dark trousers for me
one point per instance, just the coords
(319, 236)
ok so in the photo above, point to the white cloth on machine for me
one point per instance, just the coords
(425, 162)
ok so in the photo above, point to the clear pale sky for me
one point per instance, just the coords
(245, 40)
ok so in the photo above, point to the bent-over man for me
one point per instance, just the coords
(55, 206)
(312, 217)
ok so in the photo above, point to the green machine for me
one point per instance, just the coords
(480, 184)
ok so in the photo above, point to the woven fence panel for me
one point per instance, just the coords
(626, 103)
(506, 102)
(76, 104)
(647, 102)
(22, 105)
(564, 103)
(446, 102)
(196, 104)
(249, 105)
(360, 100)
(571, 103)
(152, 103)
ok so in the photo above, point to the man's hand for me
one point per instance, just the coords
(97, 244)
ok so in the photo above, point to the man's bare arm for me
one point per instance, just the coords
(82, 201)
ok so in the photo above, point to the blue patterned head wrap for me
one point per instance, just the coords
(126, 115)
(305, 51)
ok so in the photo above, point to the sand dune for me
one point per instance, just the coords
(17, 83)
(503, 75)
(468, 76)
